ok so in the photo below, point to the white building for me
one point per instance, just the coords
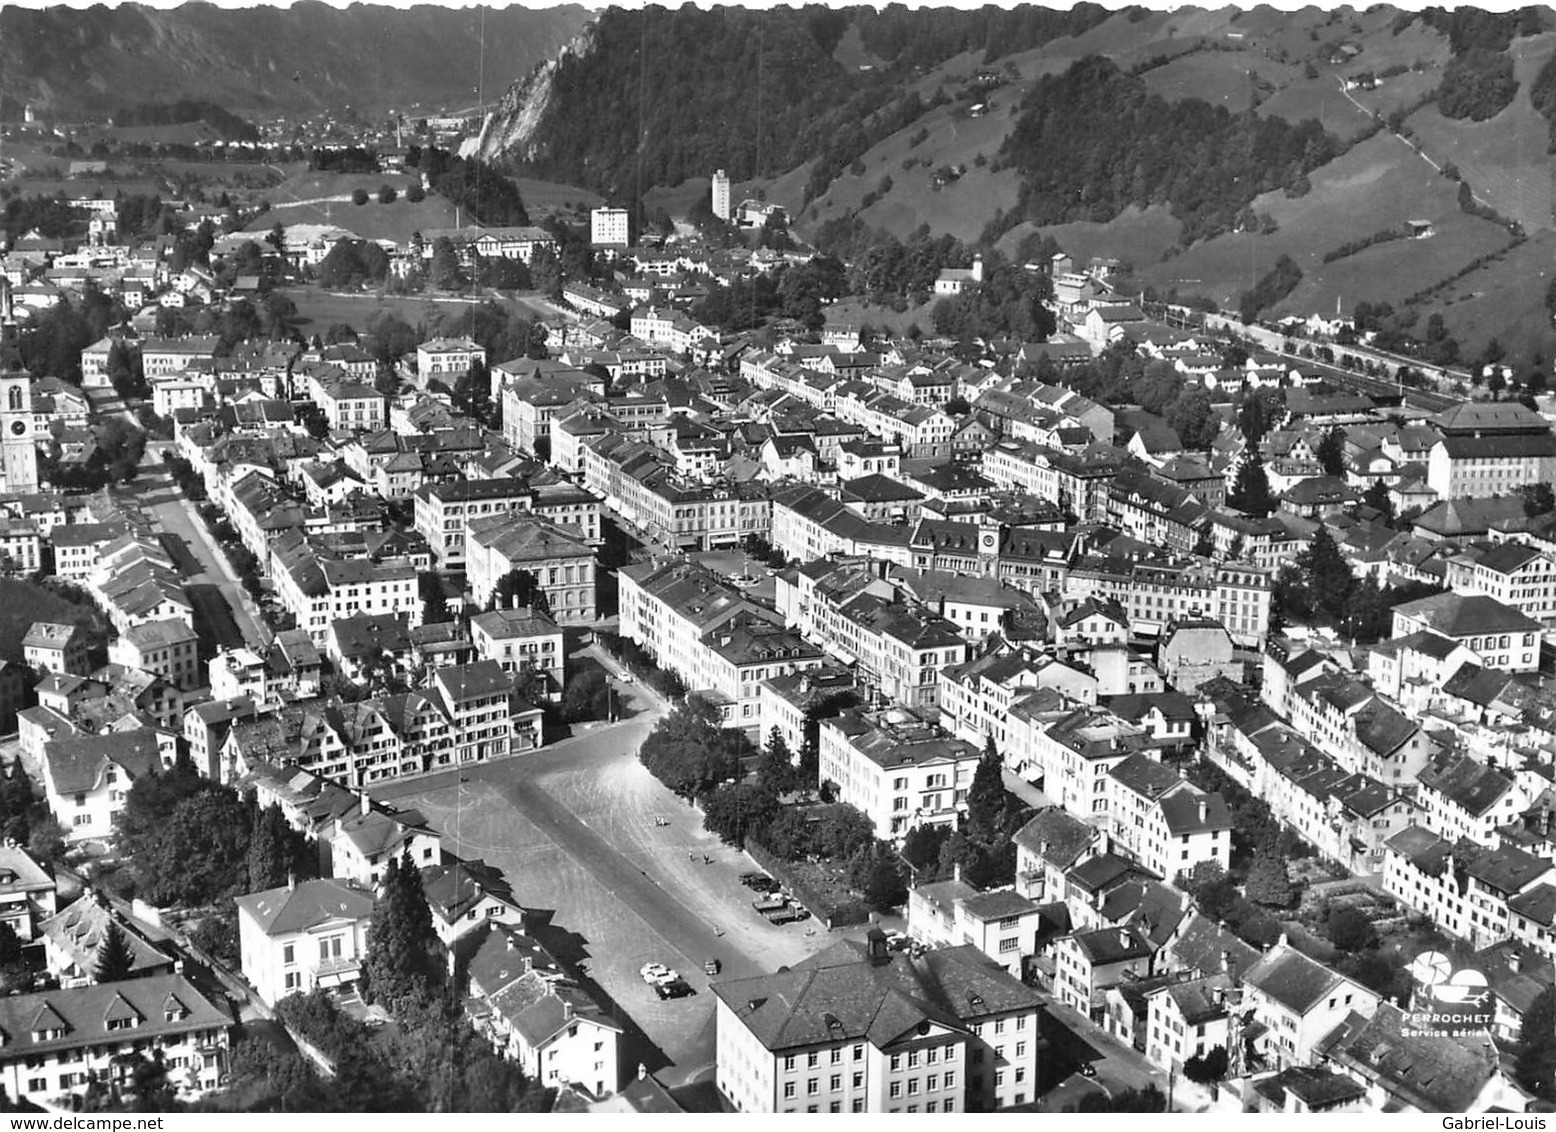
(899, 770)
(609, 227)
(811, 1038)
(302, 936)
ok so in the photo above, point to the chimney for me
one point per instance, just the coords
(1226, 960)
(365, 804)
(1514, 959)
(956, 873)
(510, 943)
(642, 1071)
(1202, 809)
(875, 942)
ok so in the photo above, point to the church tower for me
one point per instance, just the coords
(18, 453)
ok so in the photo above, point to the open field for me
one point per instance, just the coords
(857, 312)
(314, 184)
(1134, 236)
(1389, 272)
(317, 308)
(372, 221)
(1506, 301)
(1322, 100)
(1504, 158)
(542, 198)
(1364, 191)
(1221, 78)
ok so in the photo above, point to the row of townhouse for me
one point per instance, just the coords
(1157, 975)
(674, 330)
(1478, 893)
(1343, 716)
(465, 714)
(135, 582)
(1154, 593)
(444, 512)
(699, 626)
(899, 647)
(640, 482)
(317, 589)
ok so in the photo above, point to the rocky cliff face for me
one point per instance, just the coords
(510, 127)
(265, 59)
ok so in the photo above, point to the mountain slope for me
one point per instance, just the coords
(310, 56)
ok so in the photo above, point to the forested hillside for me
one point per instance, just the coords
(1094, 140)
(755, 92)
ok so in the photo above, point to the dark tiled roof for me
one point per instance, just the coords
(839, 994)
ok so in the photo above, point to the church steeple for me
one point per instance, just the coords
(10, 346)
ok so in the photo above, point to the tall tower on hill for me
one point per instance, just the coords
(720, 191)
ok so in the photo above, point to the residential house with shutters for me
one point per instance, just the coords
(73, 937)
(1499, 635)
(1298, 1001)
(312, 934)
(86, 777)
(860, 1028)
(59, 1042)
(899, 769)
(50, 646)
(1164, 821)
(1087, 963)
(537, 1015)
(447, 359)
(1521, 577)
(1190, 1018)
(1461, 797)
(521, 640)
(170, 649)
(1048, 846)
(362, 841)
(785, 701)
(1002, 923)
(465, 896)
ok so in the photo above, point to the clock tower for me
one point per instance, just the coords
(18, 453)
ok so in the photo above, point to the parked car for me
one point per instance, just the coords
(654, 972)
(673, 988)
(1086, 1069)
(712, 967)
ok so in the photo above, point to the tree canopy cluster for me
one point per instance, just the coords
(1009, 301)
(1094, 140)
(485, 193)
(194, 841)
(1477, 85)
(1280, 281)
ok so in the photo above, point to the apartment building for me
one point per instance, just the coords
(808, 1039)
(901, 770)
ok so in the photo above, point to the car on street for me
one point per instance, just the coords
(654, 972)
(1086, 1069)
(672, 988)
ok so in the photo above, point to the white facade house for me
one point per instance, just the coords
(302, 936)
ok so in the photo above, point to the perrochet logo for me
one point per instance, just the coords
(1451, 1001)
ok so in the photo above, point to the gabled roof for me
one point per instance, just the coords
(839, 994)
(281, 911)
(1290, 978)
